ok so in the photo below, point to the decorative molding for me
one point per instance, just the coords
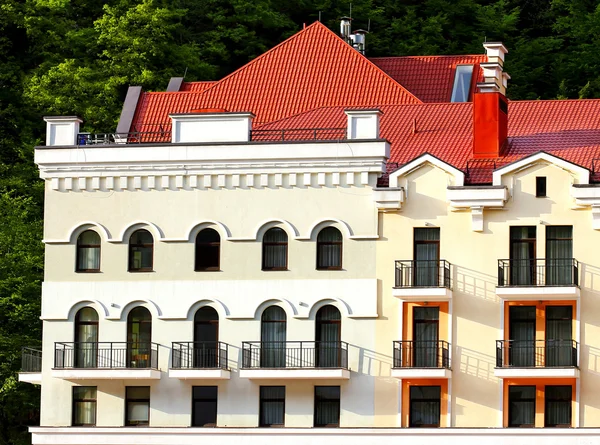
(477, 198)
(388, 198)
(424, 159)
(588, 197)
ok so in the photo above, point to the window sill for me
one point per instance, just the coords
(88, 271)
(141, 271)
(275, 270)
(208, 270)
(334, 269)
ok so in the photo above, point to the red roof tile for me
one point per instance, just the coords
(197, 87)
(430, 78)
(312, 68)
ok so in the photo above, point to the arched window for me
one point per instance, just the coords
(86, 338)
(139, 338)
(273, 325)
(208, 246)
(275, 248)
(329, 249)
(328, 334)
(88, 252)
(206, 339)
(141, 251)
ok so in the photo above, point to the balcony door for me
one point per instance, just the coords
(427, 257)
(522, 336)
(206, 338)
(139, 338)
(522, 256)
(273, 327)
(86, 338)
(559, 256)
(426, 327)
(559, 336)
(328, 337)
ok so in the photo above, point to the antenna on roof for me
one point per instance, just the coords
(350, 11)
(185, 72)
(369, 26)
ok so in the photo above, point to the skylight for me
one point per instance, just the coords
(462, 83)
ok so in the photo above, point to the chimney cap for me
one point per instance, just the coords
(495, 45)
(361, 31)
(346, 18)
(488, 87)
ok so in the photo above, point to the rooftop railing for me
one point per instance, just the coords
(536, 353)
(31, 360)
(538, 272)
(298, 134)
(200, 355)
(422, 354)
(106, 355)
(423, 273)
(295, 354)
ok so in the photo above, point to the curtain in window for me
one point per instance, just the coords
(139, 337)
(88, 251)
(272, 405)
(84, 405)
(275, 245)
(427, 246)
(521, 406)
(425, 406)
(86, 338)
(273, 337)
(327, 336)
(138, 405)
(558, 406)
(329, 249)
(141, 250)
(559, 254)
(327, 406)
(522, 336)
(426, 329)
(206, 330)
(559, 336)
(522, 256)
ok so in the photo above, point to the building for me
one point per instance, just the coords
(397, 252)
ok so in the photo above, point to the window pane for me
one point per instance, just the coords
(88, 251)
(84, 405)
(272, 405)
(137, 411)
(327, 406)
(558, 406)
(207, 250)
(425, 406)
(138, 392)
(329, 249)
(462, 83)
(204, 406)
(275, 249)
(521, 406)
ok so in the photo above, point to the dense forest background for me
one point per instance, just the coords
(77, 57)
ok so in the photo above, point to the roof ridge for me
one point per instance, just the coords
(434, 55)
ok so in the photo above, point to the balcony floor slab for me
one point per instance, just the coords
(295, 374)
(106, 374)
(421, 373)
(520, 293)
(526, 373)
(31, 377)
(200, 374)
(422, 293)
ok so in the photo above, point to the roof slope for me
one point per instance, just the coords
(313, 68)
(197, 86)
(430, 78)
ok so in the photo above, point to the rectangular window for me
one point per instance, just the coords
(425, 402)
(84, 406)
(560, 348)
(137, 406)
(204, 406)
(558, 406)
(523, 270)
(426, 321)
(327, 406)
(427, 257)
(540, 186)
(462, 83)
(272, 406)
(521, 406)
(560, 269)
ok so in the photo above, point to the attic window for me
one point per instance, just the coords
(462, 83)
(540, 186)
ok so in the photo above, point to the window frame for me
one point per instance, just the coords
(455, 80)
(79, 246)
(437, 400)
(318, 399)
(321, 244)
(569, 401)
(263, 400)
(131, 246)
(128, 399)
(266, 244)
(208, 245)
(75, 402)
(523, 400)
(216, 402)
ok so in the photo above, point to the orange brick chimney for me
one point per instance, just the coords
(490, 106)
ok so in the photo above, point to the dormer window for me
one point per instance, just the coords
(462, 83)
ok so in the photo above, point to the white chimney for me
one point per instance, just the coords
(495, 79)
(62, 130)
(358, 39)
(363, 124)
(345, 28)
(211, 127)
(495, 52)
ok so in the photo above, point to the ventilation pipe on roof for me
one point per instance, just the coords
(345, 29)
(490, 106)
(357, 39)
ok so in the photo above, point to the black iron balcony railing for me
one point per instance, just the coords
(106, 355)
(423, 273)
(200, 355)
(134, 137)
(298, 134)
(536, 353)
(31, 360)
(538, 272)
(422, 354)
(295, 354)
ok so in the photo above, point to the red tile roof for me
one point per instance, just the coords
(430, 78)
(313, 68)
(197, 87)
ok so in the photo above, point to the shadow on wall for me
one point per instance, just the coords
(475, 283)
(475, 364)
(373, 363)
(423, 205)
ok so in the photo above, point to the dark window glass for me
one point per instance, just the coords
(426, 320)
(559, 334)
(275, 247)
(137, 405)
(462, 83)
(558, 406)
(141, 251)
(521, 332)
(329, 249)
(86, 338)
(88, 252)
(139, 338)
(84, 405)
(328, 333)
(327, 406)
(427, 257)
(522, 256)
(208, 246)
(559, 256)
(425, 404)
(272, 406)
(521, 406)
(206, 352)
(204, 406)
(540, 186)
(273, 336)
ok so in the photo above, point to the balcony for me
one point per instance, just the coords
(31, 366)
(422, 360)
(295, 360)
(200, 360)
(537, 359)
(417, 280)
(106, 360)
(538, 278)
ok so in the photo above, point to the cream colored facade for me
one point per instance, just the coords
(241, 190)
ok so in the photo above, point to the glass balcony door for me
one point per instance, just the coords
(522, 336)
(426, 326)
(559, 336)
(427, 257)
(206, 336)
(522, 256)
(559, 255)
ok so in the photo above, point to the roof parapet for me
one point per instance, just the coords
(62, 130)
(211, 127)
